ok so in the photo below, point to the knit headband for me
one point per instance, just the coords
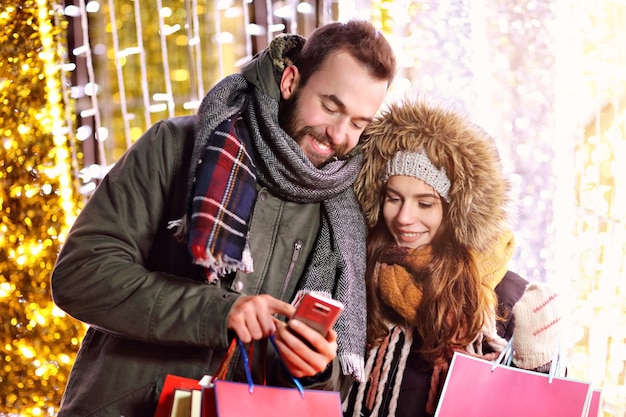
(418, 165)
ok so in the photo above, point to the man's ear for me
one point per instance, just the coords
(289, 81)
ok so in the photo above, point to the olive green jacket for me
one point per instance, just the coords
(149, 310)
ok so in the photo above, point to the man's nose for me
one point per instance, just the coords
(338, 131)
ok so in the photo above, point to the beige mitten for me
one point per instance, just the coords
(537, 327)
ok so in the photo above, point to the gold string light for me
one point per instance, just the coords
(36, 205)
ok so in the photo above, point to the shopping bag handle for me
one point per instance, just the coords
(236, 342)
(506, 356)
(556, 364)
(293, 379)
(223, 368)
(246, 365)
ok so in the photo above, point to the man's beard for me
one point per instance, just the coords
(288, 120)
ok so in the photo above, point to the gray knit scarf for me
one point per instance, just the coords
(337, 263)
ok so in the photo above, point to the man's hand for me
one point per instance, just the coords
(303, 360)
(251, 316)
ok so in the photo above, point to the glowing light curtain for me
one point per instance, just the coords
(548, 80)
(600, 216)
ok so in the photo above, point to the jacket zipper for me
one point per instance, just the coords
(297, 246)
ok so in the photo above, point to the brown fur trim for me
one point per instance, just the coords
(283, 51)
(479, 195)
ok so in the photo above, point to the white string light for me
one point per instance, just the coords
(145, 93)
(163, 33)
(218, 43)
(197, 48)
(269, 7)
(120, 74)
(248, 24)
(86, 49)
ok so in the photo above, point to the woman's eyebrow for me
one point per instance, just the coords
(422, 195)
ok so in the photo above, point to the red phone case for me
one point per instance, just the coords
(318, 312)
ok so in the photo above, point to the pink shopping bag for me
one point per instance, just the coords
(479, 388)
(234, 399)
(594, 408)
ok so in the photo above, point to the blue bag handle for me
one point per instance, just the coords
(246, 362)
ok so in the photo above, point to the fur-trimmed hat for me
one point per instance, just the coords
(479, 193)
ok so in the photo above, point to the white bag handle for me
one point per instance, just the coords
(505, 356)
(556, 365)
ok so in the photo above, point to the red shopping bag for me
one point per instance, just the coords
(171, 384)
(479, 388)
(236, 399)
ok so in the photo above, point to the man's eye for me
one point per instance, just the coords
(359, 125)
(328, 109)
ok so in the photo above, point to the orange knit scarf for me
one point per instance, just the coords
(401, 292)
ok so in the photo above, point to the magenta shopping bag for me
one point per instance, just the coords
(479, 388)
(235, 399)
(594, 408)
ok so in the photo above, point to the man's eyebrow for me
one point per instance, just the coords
(342, 107)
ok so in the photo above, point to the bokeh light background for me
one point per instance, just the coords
(81, 80)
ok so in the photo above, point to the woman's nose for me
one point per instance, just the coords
(406, 214)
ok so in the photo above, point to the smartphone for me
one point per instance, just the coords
(318, 312)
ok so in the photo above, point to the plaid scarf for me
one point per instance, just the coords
(336, 265)
(224, 195)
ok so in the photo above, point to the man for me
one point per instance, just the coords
(211, 224)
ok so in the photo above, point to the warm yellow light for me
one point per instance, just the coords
(27, 351)
(32, 206)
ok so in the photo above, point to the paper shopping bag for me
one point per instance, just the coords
(170, 386)
(479, 388)
(594, 408)
(234, 399)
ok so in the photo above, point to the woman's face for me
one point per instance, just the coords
(412, 211)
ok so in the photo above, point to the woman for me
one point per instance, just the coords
(435, 198)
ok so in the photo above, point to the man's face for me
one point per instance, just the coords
(327, 115)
